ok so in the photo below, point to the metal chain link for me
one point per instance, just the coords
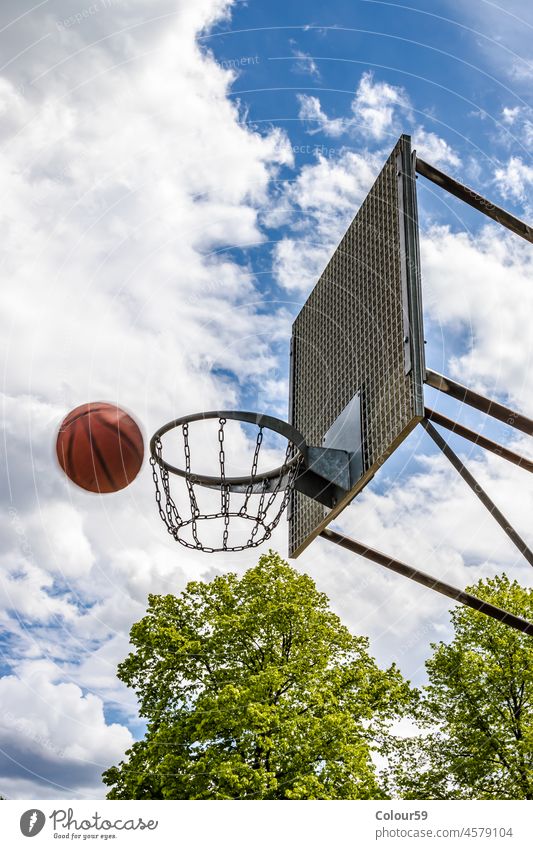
(170, 515)
(176, 524)
(224, 489)
(195, 510)
(253, 473)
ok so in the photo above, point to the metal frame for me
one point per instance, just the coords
(476, 487)
(474, 199)
(429, 581)
(478, 402)
(509, 619)
(410, 269)
(334, 473)
(479, 439)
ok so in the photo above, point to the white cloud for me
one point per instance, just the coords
(98, 199)
(333, 185)
(311, 111)
(516, 136)
(58, 729)
(305, 64)
(514, 178)
(375, 105)
(477, 296)
(481, 285)
(322, 200)
(27, 589)
(374, 111)
(128, 174)
(521, 69)
(378, 111)
(297, 264)
(435, 149)
(510, 114)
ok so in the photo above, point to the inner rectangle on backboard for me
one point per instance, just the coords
(360, 332)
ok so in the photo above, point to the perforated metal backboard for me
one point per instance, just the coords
(360, 334)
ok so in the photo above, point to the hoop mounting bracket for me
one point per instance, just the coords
(327, 476)
(333, 468)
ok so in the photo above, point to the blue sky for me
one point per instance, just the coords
(174, 178)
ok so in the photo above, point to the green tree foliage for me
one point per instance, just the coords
(253, 689)
(477, 711)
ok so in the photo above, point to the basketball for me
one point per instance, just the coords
(100, 447)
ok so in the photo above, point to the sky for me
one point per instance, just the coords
(174, 177)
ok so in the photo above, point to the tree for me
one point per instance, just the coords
(477, 710)
(253, 689)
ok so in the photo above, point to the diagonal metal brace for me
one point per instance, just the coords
(509, 619)
(473, 199)
(479, 439)
(485, 405)
(479, 491)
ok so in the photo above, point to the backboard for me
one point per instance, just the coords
(357, 351)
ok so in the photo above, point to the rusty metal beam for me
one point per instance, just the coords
(479, 402)
(476, 488)
(479, 439)
(474, 199)
(429, 581)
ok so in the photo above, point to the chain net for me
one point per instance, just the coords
(261, 502)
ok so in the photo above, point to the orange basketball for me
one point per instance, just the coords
(100, 447)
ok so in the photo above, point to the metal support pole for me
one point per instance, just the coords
(479, 491)
(474, 199)
(428, 581)
(479, 402)
(479, 439)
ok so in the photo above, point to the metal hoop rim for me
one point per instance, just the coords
(260, 419)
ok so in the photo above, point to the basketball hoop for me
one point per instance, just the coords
(259, 498)
(357, 375)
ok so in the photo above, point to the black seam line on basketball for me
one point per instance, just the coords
(123, 436)
(83, 413)
(94, 447)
